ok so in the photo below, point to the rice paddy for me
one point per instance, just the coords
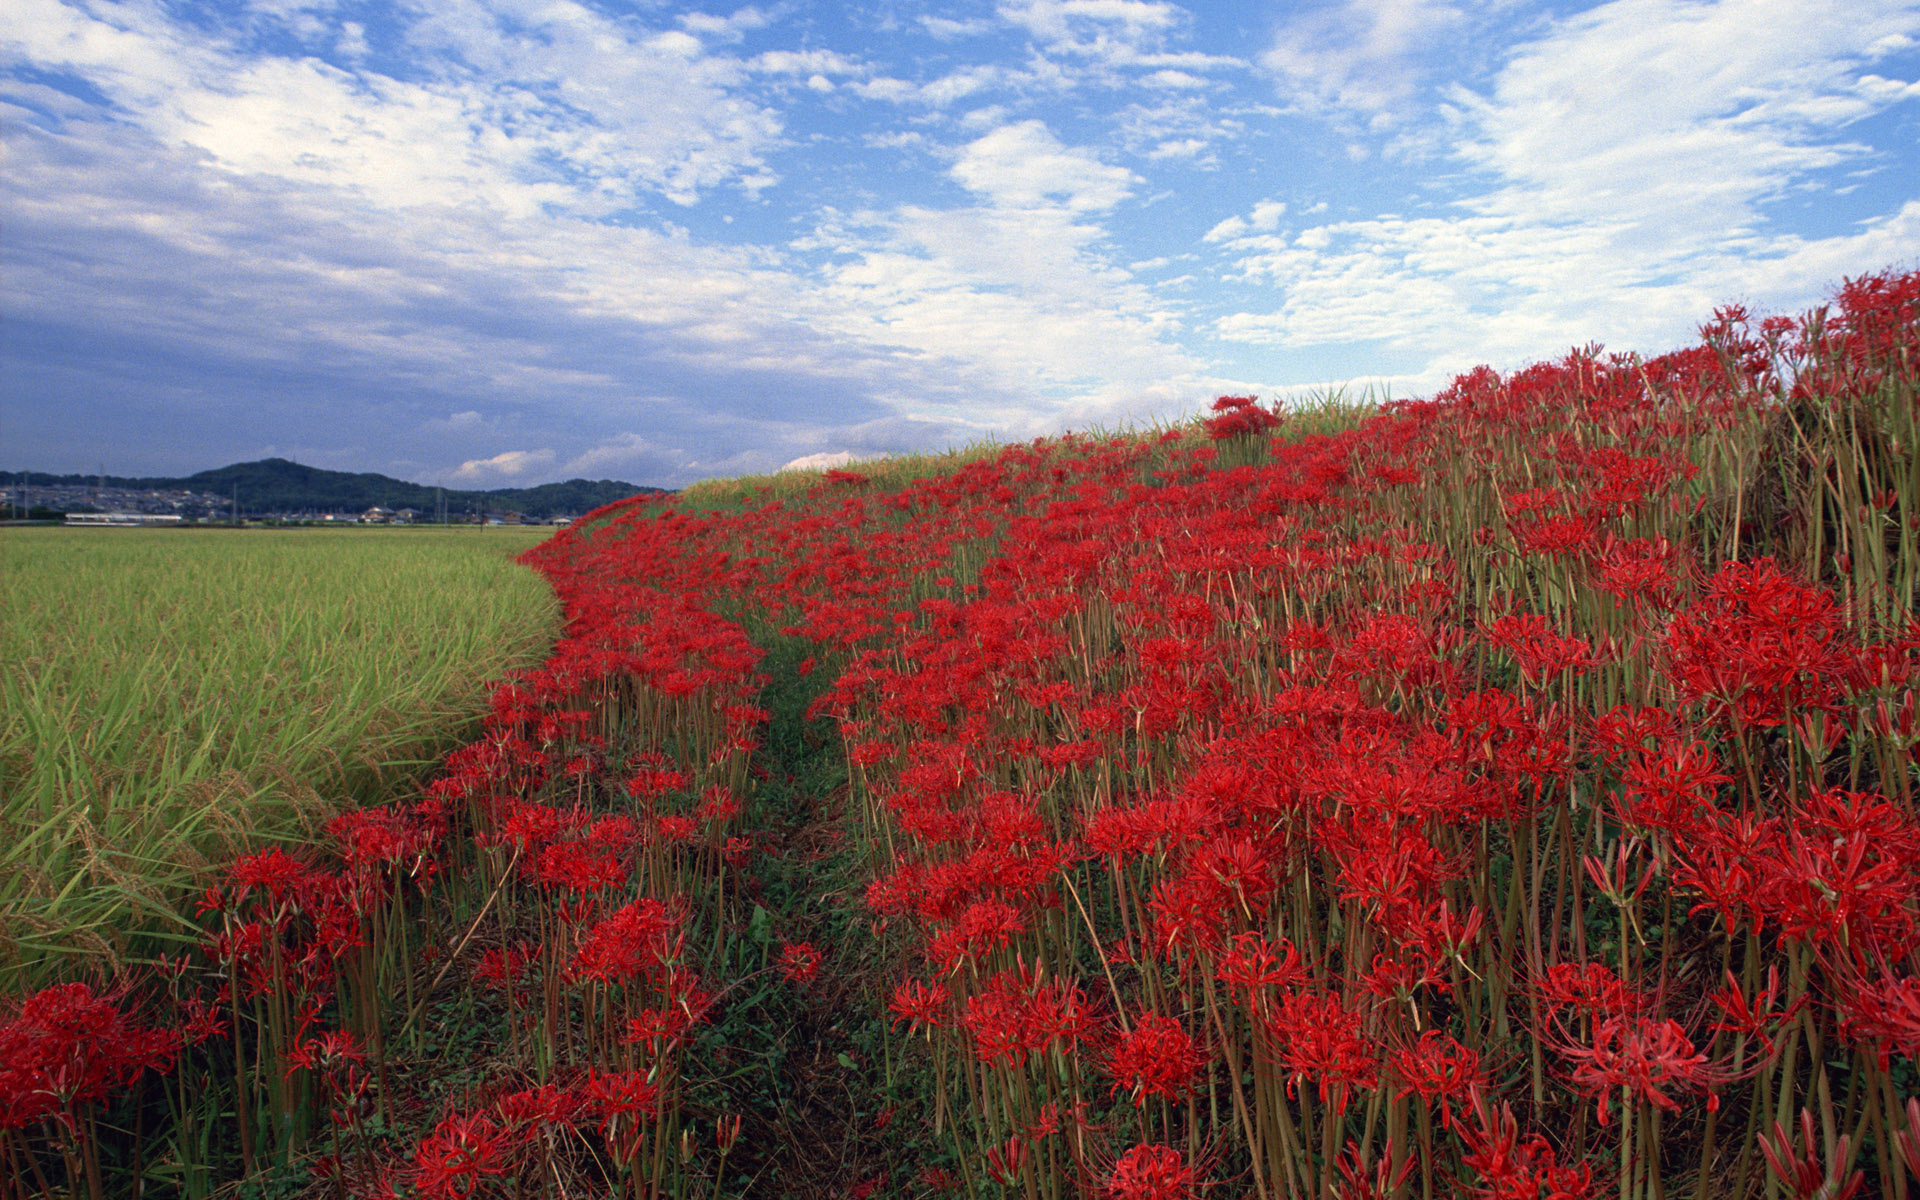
(169, 698)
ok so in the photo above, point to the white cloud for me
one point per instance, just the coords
(1358, 54)
(1684, 116)
(564, 108)
(1020, 309)
(628, 453)
(886, 89)
(1227, 230)
(1183, 126)
(958, 85)
(1265, 218)
(947, 29)
(508, 464)
(826, 460)
(352, 42)
(1173, 81)
(729, 28)
(805, 62)
(1058, 21)
(1025, 166)
(1178, 148)
(1108, 44)
(1627, 156)
(1266, 215)
(991, 117)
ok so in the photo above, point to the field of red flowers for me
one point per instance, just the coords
(1512, 796)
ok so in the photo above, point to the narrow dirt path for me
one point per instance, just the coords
(808, 1081)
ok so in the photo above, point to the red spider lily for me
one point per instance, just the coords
(1515, 1167)
(459, 1156)
(580, 867)
(382, 836)
(1850, 891)
(1239, 416)
(1380, 1182)
(1253, 964)
(1909, 1138)
(1542, 652)
(800, 962)
(1615, 880)
(1437, 1067)
(1590, 989)
(1176, 703)
(1757, 1018)
(637, 938)
(1646, 1057)
(676, 828)
(504, 966)
(1802, 1173)
(982, 927)
(1882, 1013)
(1189, 912)
(1005, 1161)
(334, 1048)
(1156, 1057)
(67, 1047)
(1150, 1172)
(1018, 1013)
(1318, 1038)
(1761, 646)
(198, 1020)
(923, 1006)
(718, 805)
(625, 1102)
(1047, 1123)
(656, 1029)
(654, 779)
(1726, 859)
(1667, 786)
(1644, 572)
(1554, 537)
(279, 875)
(546, 1105)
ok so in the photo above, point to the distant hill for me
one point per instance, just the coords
(277, 485)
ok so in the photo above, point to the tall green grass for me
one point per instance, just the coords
(168, 698)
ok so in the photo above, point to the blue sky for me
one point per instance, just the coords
(499, 242)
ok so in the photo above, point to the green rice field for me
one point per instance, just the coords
(168, 697)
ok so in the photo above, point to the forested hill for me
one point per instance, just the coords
(279, 485)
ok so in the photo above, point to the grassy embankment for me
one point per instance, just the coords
(1315, 413)
(169, 698)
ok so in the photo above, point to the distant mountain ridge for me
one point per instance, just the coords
(279, 485)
